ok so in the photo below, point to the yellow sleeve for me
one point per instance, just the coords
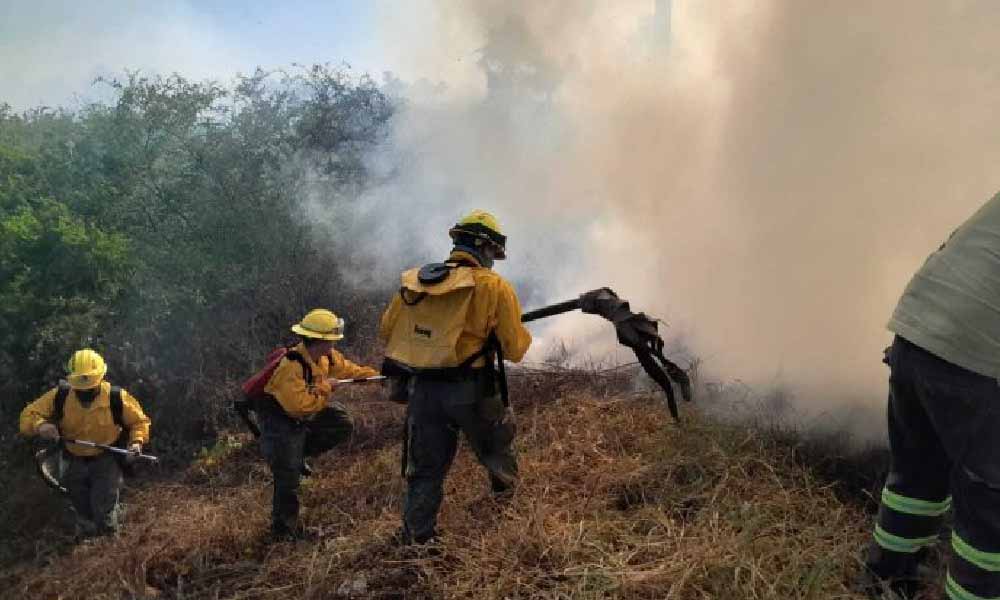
(37, 413)
(389, 318)
(288, 386)
(514, 336)
(136, 420)
(341, 368)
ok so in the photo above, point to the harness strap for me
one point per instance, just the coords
(270, 403)
(306, 371)
(59, 402)
(116, 403)
(501, 369)
(416, 299)
(117, 407)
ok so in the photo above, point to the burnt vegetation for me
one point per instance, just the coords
(615, 501)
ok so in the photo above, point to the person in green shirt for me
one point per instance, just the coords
(944, 419)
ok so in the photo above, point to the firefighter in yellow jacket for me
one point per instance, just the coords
(443, 332)
(301, 420)
(88, 408)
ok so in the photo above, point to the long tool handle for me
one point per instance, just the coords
(550, 310)
(359, 379)
(114, 449)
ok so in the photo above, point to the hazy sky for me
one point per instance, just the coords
(51, 50)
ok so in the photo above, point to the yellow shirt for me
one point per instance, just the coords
(288, 384)
(93, 423)
(341, 368)
(494, 307)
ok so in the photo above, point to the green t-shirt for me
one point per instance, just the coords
(951, 307)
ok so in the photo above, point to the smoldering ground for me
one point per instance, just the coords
(765, 176)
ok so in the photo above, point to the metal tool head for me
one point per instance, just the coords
(639, 332)
(51, 465)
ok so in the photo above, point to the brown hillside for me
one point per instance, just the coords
(615, 502)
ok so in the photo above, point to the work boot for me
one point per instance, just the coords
(402, 537)
(501, 490)
(895, 588)
(291, 534)
(893, 575)
(84, 529)
(416, 548)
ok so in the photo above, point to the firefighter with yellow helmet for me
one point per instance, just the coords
(447, 332)
(86, 407)
(298, 418)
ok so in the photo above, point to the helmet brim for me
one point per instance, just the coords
(87, 381)
(331, 337)
(496, 240)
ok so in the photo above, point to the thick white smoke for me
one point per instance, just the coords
(766, 176)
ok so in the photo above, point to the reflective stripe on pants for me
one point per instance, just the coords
(945, 456)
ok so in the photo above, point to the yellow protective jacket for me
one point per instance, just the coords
(494, 307)
(288, 384)
(93, 423)
(341, 368)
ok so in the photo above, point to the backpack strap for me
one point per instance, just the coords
(494, 341)
(117, 407)
(59, 402)
(490, 349)
(493, 351)
(492, 345)
(416, 298)
(307, 373)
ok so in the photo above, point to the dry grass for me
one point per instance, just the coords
(615, 501)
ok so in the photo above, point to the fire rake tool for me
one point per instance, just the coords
(635, 330)
(114, 449)
(373, 379)
(51, 465)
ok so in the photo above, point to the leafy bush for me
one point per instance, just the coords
(168, 228)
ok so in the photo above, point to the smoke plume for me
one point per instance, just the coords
(765, 176)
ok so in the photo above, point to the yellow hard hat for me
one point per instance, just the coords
(320, 324)
(482, 226)
(86, 369)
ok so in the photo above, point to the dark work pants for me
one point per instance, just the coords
(436, 411)
(285, 442)
(94, 484)
(944, 433)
